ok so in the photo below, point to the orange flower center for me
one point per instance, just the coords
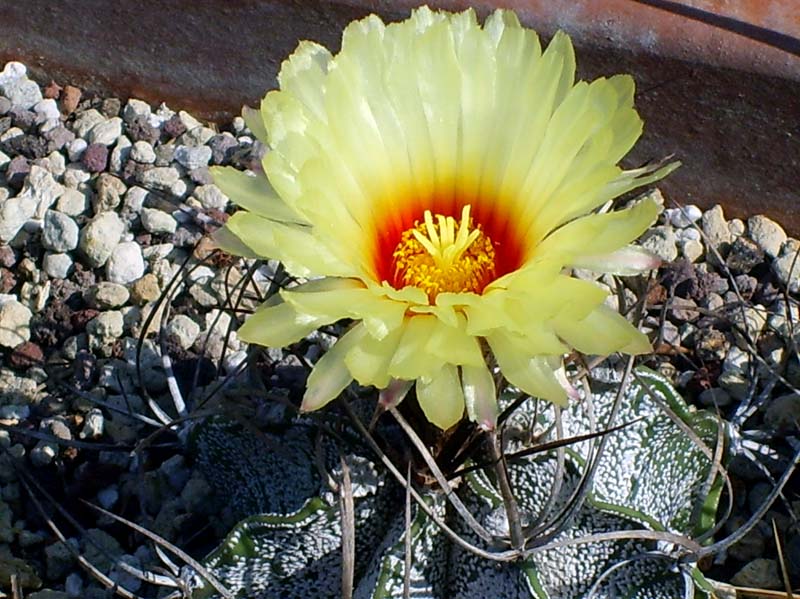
(441, 255)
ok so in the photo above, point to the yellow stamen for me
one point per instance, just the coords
(444, 256)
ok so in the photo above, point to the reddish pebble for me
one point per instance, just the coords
(26, 354)
(70, 99)
(51, 91)
(79, 319)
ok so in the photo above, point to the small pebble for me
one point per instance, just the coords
(157, 222)
(125, 264)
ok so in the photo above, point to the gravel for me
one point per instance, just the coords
(102, 201)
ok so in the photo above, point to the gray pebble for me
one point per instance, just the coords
(197, 137)
(160, 178)
(192, 157)
(715, 229)
(125, 264)
(57, 266)
(135, 108)
(99, 238)
(14, 213)
(106, 325)
(72, 202)
(22, 92)
(183, 330)
(108, 497)
(157, 221)
(714, 397)
(76, 148)
(15, 321)
(106, 295)
(768, 234)
(105, 132)
(60, 232)
(682, 217)
(73, 585)
(692, 249)
(43, 453)
(787, 265)
(93, 424)
(736, 227)
(143, 152)
(761, 573)
(134, 199)
(211, 196)
(661, 241)
(42, 187)
(783, 413)
(120, 154)
(86, 121)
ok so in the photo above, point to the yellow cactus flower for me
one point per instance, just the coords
(434, 181)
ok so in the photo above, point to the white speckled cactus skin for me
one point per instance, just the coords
(651, 476)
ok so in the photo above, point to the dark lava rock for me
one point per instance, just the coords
(744, 256)
(139, 129)
(222, 148)
(25, 355)
(746, 285)
(84, 370)
(29, 146)
(16, 171)
(95, 158)
(80, 319)
(173, 127)
(22, 118)
(58, 137)
(5, 124)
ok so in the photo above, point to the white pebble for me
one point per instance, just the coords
(684, 216)
(76, 148)
(125, 264)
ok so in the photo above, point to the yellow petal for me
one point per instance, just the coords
(303, 75)
(351, 299)
(599, 233)
(535, 375)
(279, 323)
(276, 326)
(630, 260)
(453, 344)
(411, 360)
(255, 123)
(602, 332)
(480, 395)
(441, 397)
(368, 361)
(226, 241)
(302, 253)
(253, 193)
(331, 375)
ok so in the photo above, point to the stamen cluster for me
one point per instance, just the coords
(442, 255)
